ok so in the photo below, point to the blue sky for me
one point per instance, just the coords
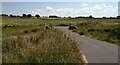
(97, 9)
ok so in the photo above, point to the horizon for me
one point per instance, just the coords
(54, 15)
(62, 9)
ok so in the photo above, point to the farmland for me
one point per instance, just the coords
(28, 40)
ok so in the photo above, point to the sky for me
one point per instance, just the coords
(59, 0)
(62, 9)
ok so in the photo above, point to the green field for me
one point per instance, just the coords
(32, 43)
(105, 30)
(28, 41)
(101, 29)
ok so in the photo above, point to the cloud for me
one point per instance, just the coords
(84, 4)
(49, 8)
(96, 10)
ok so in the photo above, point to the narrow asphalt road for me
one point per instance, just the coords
(95, 51)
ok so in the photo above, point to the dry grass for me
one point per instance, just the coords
(43, 46)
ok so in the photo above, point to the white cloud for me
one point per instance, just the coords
(84, 4)
(49, 8)
(110, 6)
(97, 11)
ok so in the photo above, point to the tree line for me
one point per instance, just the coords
(54, 16)
(23, 15)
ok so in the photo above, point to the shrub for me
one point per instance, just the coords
(34, 30)
(81, 33)
(26, 31)
(62, 24)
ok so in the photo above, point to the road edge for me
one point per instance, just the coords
(84, 58)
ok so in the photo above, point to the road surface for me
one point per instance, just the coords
(95, 51)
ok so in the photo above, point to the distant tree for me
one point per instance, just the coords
(69, 17)
(118, 17)
(24, 15)
(103, 17)
(81, 17)
(37, 15)
(18, 16)
(90, 16)
(54, 16)
(29, 15)
(11, 15)
(4, 15)
(111, 17)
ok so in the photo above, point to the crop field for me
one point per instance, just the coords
(27, 41)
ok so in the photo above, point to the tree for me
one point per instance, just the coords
(37, 15)
(104, 17)
(24, 15)
(29, 15)
(18, 16)
(53, 16)
(4, 15)
(118, 17)
(11, 15)
(111, 17)
(90, 16)
(69, 17)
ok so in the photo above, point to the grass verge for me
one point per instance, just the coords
(38, 45)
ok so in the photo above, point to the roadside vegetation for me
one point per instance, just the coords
(25, 40)
(105, 30)
(36, 44)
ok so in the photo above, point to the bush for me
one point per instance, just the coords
(34, 30)
(81, 33)
(62, 24)
(26, 31)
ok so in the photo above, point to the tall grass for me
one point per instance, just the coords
(29, 42)
(42, 46)
(105, 31)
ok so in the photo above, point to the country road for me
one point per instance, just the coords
(95, 51)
